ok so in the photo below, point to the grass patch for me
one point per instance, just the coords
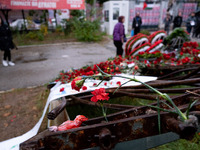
(181, 144)
(51, 37)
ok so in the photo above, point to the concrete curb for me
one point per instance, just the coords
(54, 44)
(29, 87)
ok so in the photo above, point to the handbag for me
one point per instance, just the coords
(132, 32)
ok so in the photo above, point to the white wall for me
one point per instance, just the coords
(112, 7)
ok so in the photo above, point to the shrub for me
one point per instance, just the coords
(146, 32)
(35, 35)
(59, 29)
(87, 30)
(44, 29)
(68, 26)
(40, 36)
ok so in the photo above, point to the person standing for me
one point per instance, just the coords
(6, 43)
(191, 22)
(167, 22)
(178, 21)
(119, 35)
(137, 22)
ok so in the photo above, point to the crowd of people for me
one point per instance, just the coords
(192, 27)
(192, 23)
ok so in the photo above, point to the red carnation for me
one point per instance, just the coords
(62, 89)
(136, 67)
(77, 83)
(119, 83)
(84, 88)
(99, 95)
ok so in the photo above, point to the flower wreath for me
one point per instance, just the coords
(156, 36)
(141, 48)
(157, 45)
(138, 41)
(130, 40)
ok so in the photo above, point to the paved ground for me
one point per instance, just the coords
(36, 65)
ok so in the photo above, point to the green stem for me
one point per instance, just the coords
(163, 95)
(104, 113)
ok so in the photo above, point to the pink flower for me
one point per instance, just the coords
(99, 95)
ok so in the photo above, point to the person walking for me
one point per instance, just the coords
(191, 22)
(167, 22)
(119, 36)
(137, 22)
(6, 43)
(178, 21)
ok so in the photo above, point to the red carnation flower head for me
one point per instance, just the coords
(99, 95)
(62, 89)
(84, 88)
(136, 67)
(77, 83)
(119, 83)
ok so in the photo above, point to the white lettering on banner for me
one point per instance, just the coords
(34, 4)
(73, 6)
(74, 2)
(46, 5)
(19, 3)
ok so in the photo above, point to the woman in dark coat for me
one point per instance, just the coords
(6, 43)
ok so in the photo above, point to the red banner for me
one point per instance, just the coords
(42, 4)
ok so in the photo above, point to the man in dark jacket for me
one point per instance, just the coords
(137, 22)
(178, 21)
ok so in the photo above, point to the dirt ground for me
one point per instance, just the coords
(20, 110)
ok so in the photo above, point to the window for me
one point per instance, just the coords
(115, 13)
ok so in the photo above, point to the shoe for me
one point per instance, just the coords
(4, 62)
(11, 63)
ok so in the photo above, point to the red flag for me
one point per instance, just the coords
(145, 5)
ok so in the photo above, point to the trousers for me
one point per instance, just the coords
(118, 45)
(7, 54)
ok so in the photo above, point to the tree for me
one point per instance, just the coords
(92, 1)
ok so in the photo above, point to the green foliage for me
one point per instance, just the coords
(181, 145)
(68, 27)
(99, 1)
(87, 30)
(31, 12)
(146, 32)
(44, 29)
(77, 13)
(59, 29)
(35, 35)
(178, 32)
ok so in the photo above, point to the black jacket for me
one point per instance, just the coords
(178, 21)
(5, 38)
(137, 22)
